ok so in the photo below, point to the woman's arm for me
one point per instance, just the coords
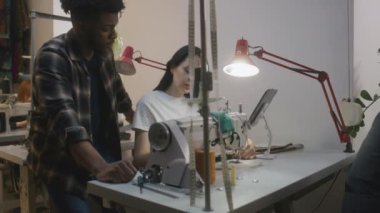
(248, 152)
(142, 148)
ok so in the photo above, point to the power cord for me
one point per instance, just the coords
(327, 192)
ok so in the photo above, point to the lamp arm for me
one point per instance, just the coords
(322, 77)
(150, 63)
(307, 71)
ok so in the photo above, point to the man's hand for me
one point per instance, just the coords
(117, 172)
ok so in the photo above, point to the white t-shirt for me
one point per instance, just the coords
(158, 106)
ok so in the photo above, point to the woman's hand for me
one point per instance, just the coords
(117, 172)
(248, 152)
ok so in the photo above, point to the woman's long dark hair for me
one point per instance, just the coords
(175, 61)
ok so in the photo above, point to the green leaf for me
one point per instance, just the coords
(350, 129)
(362, 123)
(353, 134)
(375, 97)
(364, 94)
(358, 101)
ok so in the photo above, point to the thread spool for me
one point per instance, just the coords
(199, 163)
(233, 174)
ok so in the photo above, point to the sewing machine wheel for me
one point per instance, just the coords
(159, 136)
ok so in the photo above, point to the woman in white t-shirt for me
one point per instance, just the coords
(167, 102)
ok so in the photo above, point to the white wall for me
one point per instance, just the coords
(157, 33)
(60, 27)
(366, 58)
(313, 33)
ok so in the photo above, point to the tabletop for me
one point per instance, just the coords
(256, 187)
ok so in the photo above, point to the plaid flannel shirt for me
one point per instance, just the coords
(61, 115)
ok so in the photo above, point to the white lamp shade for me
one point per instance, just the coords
(241, 69)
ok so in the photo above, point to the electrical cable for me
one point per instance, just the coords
(327, 192)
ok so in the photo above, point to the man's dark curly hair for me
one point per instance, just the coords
(89, 9)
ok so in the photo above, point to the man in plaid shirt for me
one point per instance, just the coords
(77, 94)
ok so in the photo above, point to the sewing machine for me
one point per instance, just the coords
(170, 153)
(11, 112)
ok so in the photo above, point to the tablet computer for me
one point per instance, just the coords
(262, 106)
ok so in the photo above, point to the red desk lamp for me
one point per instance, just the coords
(243, 60)
(124, 65)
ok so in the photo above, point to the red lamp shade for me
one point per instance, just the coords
(124, 65)
(242, 65)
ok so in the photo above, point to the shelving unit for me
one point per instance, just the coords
(6, 66)
(6, 18)
(15, 38)
(33, 16)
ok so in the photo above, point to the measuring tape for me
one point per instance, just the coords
(192, 167)
(214, 43)
(214, 52)
(191, 54)
(225, 172)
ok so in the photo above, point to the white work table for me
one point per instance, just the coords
(17, 154)
(256, 188)
(13, 136)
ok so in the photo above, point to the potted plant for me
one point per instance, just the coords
(365, 101)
